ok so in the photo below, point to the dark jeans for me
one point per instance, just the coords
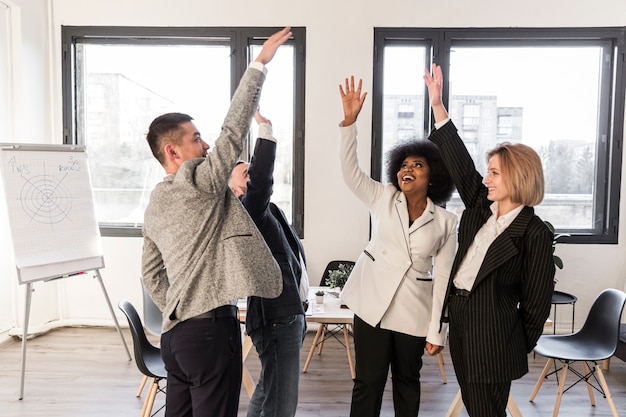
(278, 344)
(375, 350)
(203, 362)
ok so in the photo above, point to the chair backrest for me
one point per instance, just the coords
(332, 265)
(152, 316)
(603, 321)
(147, 356)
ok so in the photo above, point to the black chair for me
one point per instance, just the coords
(332, 265)
(147, 357)
(594, 342)
(153, 320)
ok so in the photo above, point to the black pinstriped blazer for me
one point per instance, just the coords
(511, 298)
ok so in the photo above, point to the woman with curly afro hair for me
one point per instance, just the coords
(397, 287)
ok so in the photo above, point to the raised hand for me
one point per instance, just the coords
(434, 83)
(352, 100)
(271, 45)
(260, 118)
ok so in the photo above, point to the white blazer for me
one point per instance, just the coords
(400, 279)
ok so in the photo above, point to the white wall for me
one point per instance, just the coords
(339, 44)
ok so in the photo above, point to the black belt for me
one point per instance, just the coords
(228, 311)
(460, 292)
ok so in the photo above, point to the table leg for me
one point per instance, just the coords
(315, 341)
(246, 377)
(347, 342)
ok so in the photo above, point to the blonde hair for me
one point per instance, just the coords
(522, 170)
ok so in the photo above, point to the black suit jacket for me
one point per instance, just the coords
(282, 240)
(511, 297)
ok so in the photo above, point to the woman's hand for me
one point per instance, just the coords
(352, 101)
(432, 350)
(434, 82)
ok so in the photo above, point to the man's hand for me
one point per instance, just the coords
(352, 101)
(271, 45)
(260, 118)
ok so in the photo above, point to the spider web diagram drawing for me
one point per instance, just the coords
(45, 199)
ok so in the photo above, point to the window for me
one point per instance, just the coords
(560, 91)
(116, 80)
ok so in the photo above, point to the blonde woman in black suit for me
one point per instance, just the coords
(500, 287)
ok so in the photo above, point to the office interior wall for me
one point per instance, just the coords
(339, 44)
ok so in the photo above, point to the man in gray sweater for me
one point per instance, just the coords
(202, 252)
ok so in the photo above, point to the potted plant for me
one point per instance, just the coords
(319, 297)
(337, 277)
(558, 262)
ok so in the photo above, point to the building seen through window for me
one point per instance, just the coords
(122, 78)
(559, 91)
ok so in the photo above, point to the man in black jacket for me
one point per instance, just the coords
(276, 325)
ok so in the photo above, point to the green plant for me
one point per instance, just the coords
(558, 262)
(319, 293)
(337, 277)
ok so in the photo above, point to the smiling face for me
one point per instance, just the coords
(191, 144)
(496, 181)
(185, 143)
(414, 175)
(238, 181)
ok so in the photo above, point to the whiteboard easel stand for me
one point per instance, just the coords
(29, 291)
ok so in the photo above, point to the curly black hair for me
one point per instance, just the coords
(440, 185)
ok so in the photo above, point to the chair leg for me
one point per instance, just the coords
(605, 388)
(143, 384)
(153, 392)
(456, 406)
(441, 368)
(146, 401)
(559, 394)
(324, 330)
(589, 386)
(308, 358)
(511, 405)
(545, 371)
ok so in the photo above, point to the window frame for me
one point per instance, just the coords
(238, 38)
(438, 43)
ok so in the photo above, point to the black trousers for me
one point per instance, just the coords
(480, 399)
(375, 351)
(203, 362)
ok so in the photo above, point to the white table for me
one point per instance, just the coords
(330, 313)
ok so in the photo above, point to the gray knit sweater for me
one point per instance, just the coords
(201, 249)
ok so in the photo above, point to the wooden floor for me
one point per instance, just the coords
(73, 372)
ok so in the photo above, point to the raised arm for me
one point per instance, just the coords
(364, 187)
(216, 170)
(261, 171)
(468, 181)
